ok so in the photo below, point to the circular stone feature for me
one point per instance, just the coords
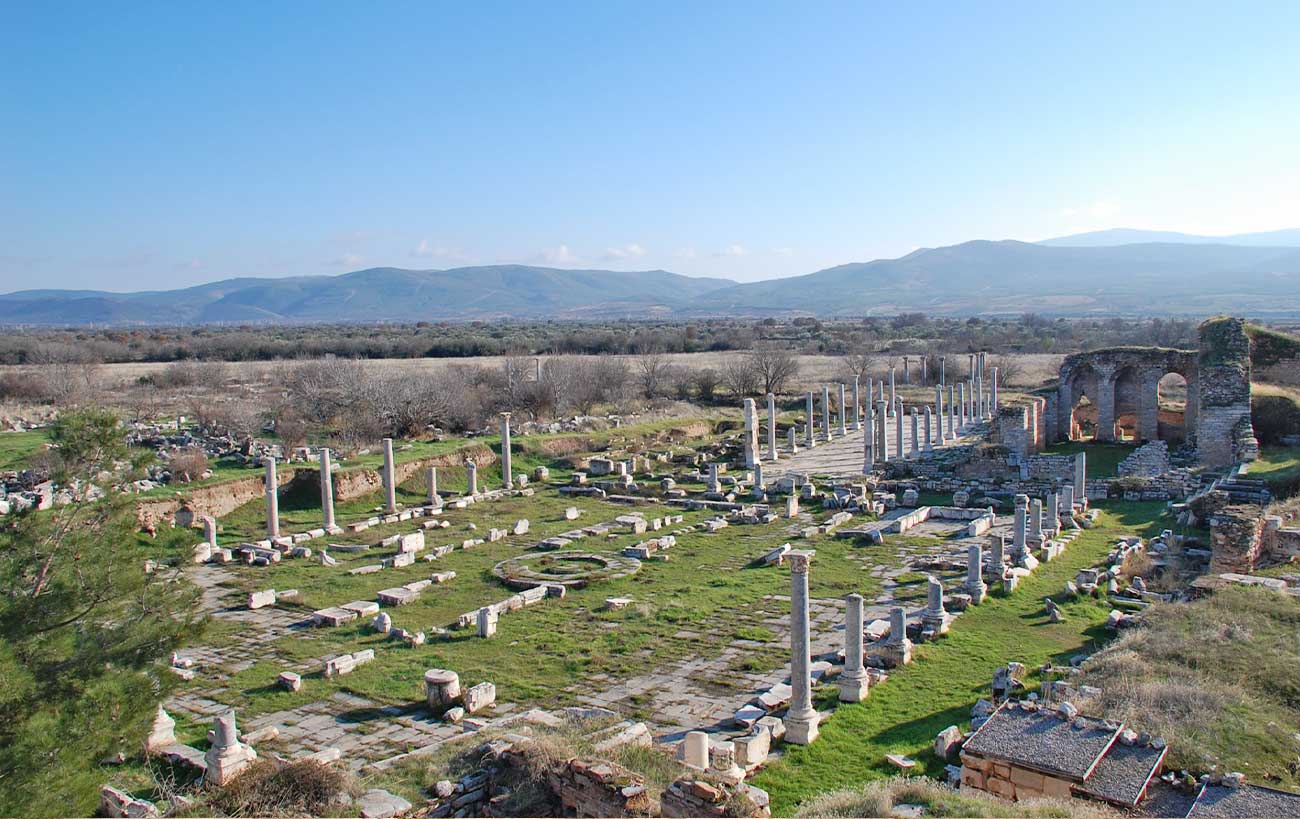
(575, 569)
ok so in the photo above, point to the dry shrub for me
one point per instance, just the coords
(1136, 564)
(188, 464)
(879, 798)
(272, 788)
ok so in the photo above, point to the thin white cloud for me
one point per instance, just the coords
(629, 251)
(559, 255)
(733, 250)
(347, 260)
(427, 249)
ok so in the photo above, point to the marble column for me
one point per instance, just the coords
(907, 369)
(826, 411)
(898, 429)
(994, 385)
(507, 480)
(758, 476)
(938, 411)
(998, 557)
(844, 430)
(975, 585)
(892, 395)
(801, 719)
(942, 371)
(471, 478)
(916, 438)
(771, 427)
(751, 432)
(925, 370)
(808, 428)
(854, 681)
(857, 406)
(929, 429)
(1081, 476)
(390, 478)
(326, 490)
(953, 431)
(272, 501)
(869, 444)
(1018, 527)
(961, 406)
(1052, 516)
(1067, 501)
(210, 530)
(793, 435)
(431, 479)
(882, 444)
(1036, 522)
(897, 649)
(934, 616)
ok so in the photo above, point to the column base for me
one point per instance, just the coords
(937, 622)
(854, 689)
(802, 730)
(977, 592)
(894, 655)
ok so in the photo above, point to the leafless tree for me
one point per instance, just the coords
(741, 375)
(775, 368)
(705, 380)
(858, 365)
(651, 368)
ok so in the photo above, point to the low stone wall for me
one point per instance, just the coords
(350, 484)
(215, 501)
(1236, 539)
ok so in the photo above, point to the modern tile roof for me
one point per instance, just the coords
(1040, 739)
(1245, 801)
(1123, 773)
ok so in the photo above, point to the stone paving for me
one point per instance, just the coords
(843, 456)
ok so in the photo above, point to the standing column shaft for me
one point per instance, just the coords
(432, 481)
(471, 478)
(892, 394)
(390, 478)
(869, 443)
(801, 719)
(882, 444)
(929, 431)
(771, 427)
(854, 681)
(826, 410)
(326, 489)
(808, 428)
(916, 443)
(843, 417)
(942, 371)
(272, 500)
(898, 429)
(507, 479)
(994, 385)
(857, 406)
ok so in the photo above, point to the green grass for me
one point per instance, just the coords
(694, 604)
(1280, 467)
(1103, 458)
(904, 714)
(17, 448)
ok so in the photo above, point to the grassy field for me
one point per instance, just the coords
(1280, 467)
(17, 448)
(1103, 458)
(904, 714)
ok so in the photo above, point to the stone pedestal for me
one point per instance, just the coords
(487, 622)
(442, 688)
(801, 719)
(471, 478)
(934, 617)
(1018, 532)
(431, 480)
(209, 530)
(854, 681)
(695, 750)
(227, 757)
(896, 650)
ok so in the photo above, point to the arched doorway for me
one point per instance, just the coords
(1171, 397)
(1082, 393)
(1128, 391)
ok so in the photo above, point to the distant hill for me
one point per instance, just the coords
(1012, 277)
(1129, 236)
(376, 294)
(973, 278)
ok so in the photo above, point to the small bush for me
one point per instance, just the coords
(271, 788)
(188, 465)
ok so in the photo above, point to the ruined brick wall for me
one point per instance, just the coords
(1236, 538)
(595, 787)
(697, 797)
(1011, 429)
(1223, 432)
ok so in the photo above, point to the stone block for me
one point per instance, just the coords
(480, 697)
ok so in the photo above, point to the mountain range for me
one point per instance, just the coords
(1122, 272)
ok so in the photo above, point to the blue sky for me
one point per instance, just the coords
(150, 145)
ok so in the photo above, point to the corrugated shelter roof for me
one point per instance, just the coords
(1040, 739)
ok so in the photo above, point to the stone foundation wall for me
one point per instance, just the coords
(1010, 781)
(215, 500)
(1236, 539)
(1223, 393)
(350, 484)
